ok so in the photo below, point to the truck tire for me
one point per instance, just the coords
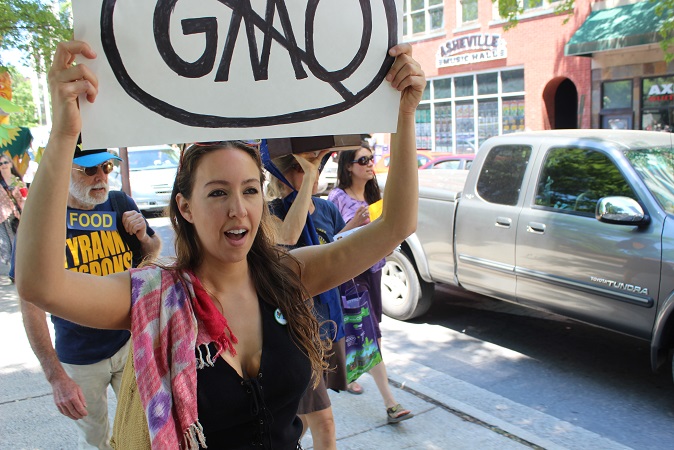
(404, 294)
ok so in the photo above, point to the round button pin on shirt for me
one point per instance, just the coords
(278, 315)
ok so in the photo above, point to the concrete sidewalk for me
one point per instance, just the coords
(449, 414)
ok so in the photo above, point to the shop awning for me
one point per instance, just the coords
(616, 28)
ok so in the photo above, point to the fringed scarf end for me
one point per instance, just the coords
(208, 360)
(194, 437)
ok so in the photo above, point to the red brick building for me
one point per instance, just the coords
(485, 80)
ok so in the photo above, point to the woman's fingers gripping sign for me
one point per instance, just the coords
(67, 81)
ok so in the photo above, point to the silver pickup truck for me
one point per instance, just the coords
(579, 223)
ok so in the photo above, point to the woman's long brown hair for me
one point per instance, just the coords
(372, 192)
(275, 282)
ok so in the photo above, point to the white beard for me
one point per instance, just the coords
(82, 193)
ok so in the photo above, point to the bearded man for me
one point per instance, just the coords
(101, 239)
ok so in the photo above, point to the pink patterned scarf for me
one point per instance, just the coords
(171, 316)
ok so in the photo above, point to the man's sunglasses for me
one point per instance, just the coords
(363, 160)
(106, 167)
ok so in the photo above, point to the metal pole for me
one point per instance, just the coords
(124, 170)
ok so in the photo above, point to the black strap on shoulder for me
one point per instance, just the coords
(120, 204)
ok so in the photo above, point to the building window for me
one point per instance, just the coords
(468, 11)
(657, 104)
(422, 118)
(530, 7)
(532, 4)
(422, 16)
(513, 80)
(457, 114)
(616, 95)
(616, 105)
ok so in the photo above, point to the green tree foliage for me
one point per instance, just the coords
(510, 10)
(665, 8)
(34, 27)
(22, 95)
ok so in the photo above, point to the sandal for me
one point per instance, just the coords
(397, 414)
(354, 388)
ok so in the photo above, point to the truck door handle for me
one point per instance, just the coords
(536, 228)
(503, 222)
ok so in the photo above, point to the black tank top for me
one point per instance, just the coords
(260, 412)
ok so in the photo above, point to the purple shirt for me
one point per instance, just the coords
(347, 207)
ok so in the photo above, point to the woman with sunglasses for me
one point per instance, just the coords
(356, 190)
(224, 341)
(11, 204)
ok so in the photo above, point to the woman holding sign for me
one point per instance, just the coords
(231, 298)
(356, 190)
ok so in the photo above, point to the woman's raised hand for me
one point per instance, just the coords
(310, 161)
(66, 82)
(407, 77)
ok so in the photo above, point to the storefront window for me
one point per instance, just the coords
(443, 127)
(443, 88)
(423, 127)
(462, 112)
(657, 103)
(487, 83)
(487, 120)
(427, 92)
(617, 94)
(512, 112)
(465, 121)
(464, 86)
(513, 80)
(468, 10)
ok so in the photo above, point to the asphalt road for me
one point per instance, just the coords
(593, 378)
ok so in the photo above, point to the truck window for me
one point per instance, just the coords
(501, 177)
(656, 167)
(574, 179)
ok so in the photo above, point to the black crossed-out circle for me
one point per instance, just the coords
(195, 119)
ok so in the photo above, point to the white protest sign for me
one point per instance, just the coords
(175, 71)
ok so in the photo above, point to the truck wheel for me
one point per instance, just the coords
(404, 295)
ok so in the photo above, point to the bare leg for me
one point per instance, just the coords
(380, 376)
(322, 425)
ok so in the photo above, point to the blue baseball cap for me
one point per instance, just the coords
(93, 157)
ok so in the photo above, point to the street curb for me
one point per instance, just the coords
(518, 422)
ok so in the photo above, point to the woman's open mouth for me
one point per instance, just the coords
(236, 235)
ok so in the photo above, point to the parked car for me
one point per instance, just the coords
(578, 223)
(452, 162)
(423, 156)
(152, 171)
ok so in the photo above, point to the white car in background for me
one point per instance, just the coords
(327, 180)
(152, 171)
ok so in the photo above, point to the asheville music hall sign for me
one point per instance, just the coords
(472, 48)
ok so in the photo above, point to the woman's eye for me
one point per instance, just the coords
(252, 190)
(217, 193)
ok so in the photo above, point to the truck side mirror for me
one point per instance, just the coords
(621, 211)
